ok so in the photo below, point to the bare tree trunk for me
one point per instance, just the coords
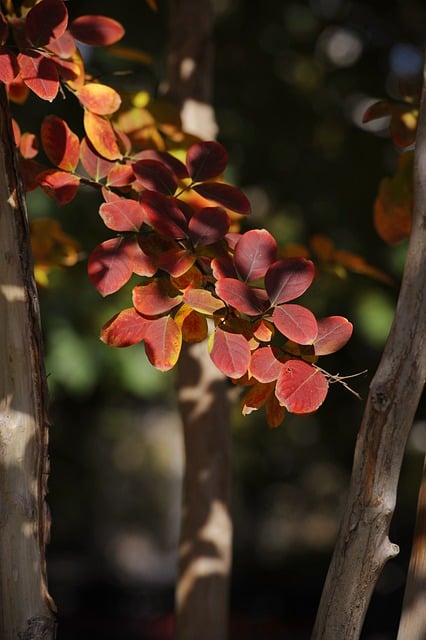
(413, 619)
(363, 546)
(206, 529)
(26, 609)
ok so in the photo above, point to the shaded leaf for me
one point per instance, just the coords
(120, 175)
(101, 134)
(111, 265)
(4, 29)
(333, 334)
(176, 261)
(288, 278)
(176, 166)
(122, 215)
(192, 278)
(99, 98)
(206, 160)
(59, 185)
(223, 267)
(163, 341)
(230, 352)
(256, 397)
(39, 74)
(301, 388)
(156, 297)
(208, 225)
(96, 166)
(28, 145)
(193, 325)
(163, 214)
(254, 253)
(124, 329)
(275, 413)
(96, 30)
(60, 144)
(225, 195)
(9, 67)
(156, 176)
(64, 47)
(248, 300)
(46, 21)
(296, 323)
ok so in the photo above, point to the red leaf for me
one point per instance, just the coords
(60, 144)
(39, 74)
(96, 30)
(46, 21)
(163, 214)
(155, 176)
(223, 267)
(9, 68)
(143, 263)
(99, 98)
(296, 323)
(256, 397)
(206, 160)
(333, 334)
(124, 329)
(176, 166)
(28, 145)
(264, 366)
(254, 253)
(288, 279)
(248, 300)
(121, 175)
(101, 134)
(208, 225)
(225, 195)
(163, 341)
(176, 261)
(203, 301)
(156, 297)
(300, 387)
(122, 215)
(230, 353)
(64, 47)
(59, 185)
(111, 265)
(96, 166)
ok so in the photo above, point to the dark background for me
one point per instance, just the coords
(292, 80)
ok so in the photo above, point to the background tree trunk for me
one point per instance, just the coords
(363, 546)
(206, 530)
(26, 609)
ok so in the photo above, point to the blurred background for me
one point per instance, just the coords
(292, 81)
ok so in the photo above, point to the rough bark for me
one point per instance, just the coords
(26, 609)
(363, 546)
(206, 530)
(413, 618)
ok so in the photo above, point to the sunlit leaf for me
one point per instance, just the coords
(263, 331)
(155, 297)
(192, 278)
(333, 334)
(224, 194)
(101, 134)
(287, 279)
(28, 145)
(46, 21)
(300, 387)
(120, 175)
(249, 300)
(60, 144)
(202, 300)
(296, 323)
(96, 166)
(99, 98)
(163, 341)
(206, 160)
(96, 30)
(9, 67)
(193, 325)
(124, 329)
(39, 74)
(208, 225)
(264, 365)
(64, 47)
(122, 215)
(254, 253)
(230, 353)
(59, 185)
(111, 265)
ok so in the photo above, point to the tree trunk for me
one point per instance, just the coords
(413, 619)
(206, 529)
(363, 546)
(26, 609)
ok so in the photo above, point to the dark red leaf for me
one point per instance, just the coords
(254, 253)
(122, 215)
(296, 323)
(300, 387)
(176, 166)
(96, 30)
(264, 366)
(156, 297)
(111, 265)
(9, 67)
(333, 334)
(4, 29)
(223, 267)
(176, 261)
(248, 300)
(60, 144)
(163, 214)
(124, 329)
(206, 160)
(46, 21)
(256, 397)
(156, 176)
(230, 353)
(39, 74)
(225, 195)
(287, 279)
(208, 225)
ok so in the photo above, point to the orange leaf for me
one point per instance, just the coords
(99, 98)
(163, 341)
(193, 324)
(101, 134)
(39, 74)
(60, 144)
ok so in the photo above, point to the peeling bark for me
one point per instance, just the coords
(363, 546)
(26, 609)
